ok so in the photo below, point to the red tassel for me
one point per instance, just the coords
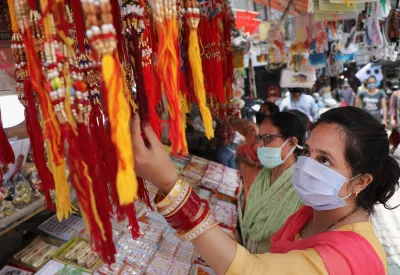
(81, 185)
(129, 212)
(79, 23)
(154, 119)
(141, 97)
(6, 153)
(152, 36)
(143, 193)
(100, 190)
(32, 4)
(218, 72)
(117, 21)
(37, 143)
(110, 158)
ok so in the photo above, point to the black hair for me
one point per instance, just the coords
(297, 90)
(303, 118)
(289, 125)
(373, 77)
(272, 108)
(367, 151)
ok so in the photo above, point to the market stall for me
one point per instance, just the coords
(63, 247)
(82, 69)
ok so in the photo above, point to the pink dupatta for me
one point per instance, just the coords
(343, 252)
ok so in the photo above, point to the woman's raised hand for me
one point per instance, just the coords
(152, 163)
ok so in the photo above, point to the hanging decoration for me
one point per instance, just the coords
(247, 21)
(168, 58)
(299, 50)
(6, 153)
(83, 68)
(192, 15)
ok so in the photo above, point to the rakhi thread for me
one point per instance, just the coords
(165, 15)
(192, 15)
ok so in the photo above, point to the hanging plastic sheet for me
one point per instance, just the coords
(326, 5)
(351, 1)
(292, 79)
(299, 6)
(329, 13)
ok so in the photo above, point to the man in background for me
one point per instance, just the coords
(301, 102)
(347, 95)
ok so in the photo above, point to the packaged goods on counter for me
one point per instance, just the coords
(226, 214)
(36, 254)
(10, 270)
(64, 230)
(106, 270)
(129, 270)
(157, 250)
(77, 252)
(202, 270)
(57, 268)
(116, 235)
(209, 183)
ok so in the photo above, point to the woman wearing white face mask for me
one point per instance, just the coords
(345, 172)
(272, 198)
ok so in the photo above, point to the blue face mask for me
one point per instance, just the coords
(270, 157)
(318, 186)
(371, 85)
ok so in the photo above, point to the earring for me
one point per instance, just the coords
(356, 194)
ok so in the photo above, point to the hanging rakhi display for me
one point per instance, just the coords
(136, 30)
(52, 132)
(102, 38)
(26, 97)
(192, 15)
(226, 44)
(73, 74)
(70, 98)
(168, 61)
(212, 59)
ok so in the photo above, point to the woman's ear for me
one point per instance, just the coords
(361, 183)
(293, 141)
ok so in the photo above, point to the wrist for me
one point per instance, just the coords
(169, 184)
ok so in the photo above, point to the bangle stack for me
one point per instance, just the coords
(185, 211)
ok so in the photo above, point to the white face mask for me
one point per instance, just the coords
(318, 186)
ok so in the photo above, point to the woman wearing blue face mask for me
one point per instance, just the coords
(346, 170)
(272, 198)
(373, 101)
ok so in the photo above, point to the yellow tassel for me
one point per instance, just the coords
(13, 18)
(198, 82)
(63, 203)
(119, 112)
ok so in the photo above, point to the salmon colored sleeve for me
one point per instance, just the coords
(295, 262)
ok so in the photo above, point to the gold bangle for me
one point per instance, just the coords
(178, 202)
(172, 194)
(206, 224)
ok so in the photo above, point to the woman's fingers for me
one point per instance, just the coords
(151, 136)
(137, 140)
